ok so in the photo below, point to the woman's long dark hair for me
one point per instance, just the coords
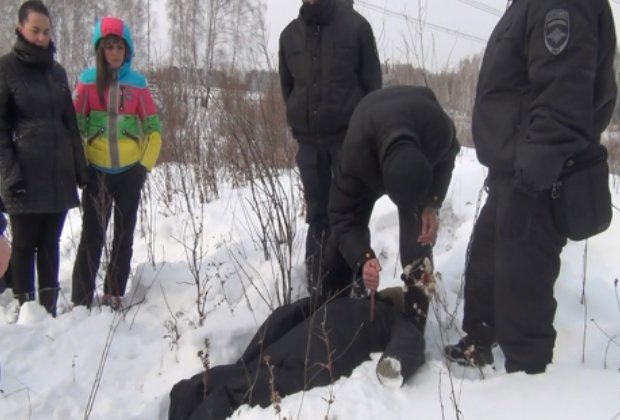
(104, 73)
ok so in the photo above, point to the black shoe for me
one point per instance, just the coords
(48, 298)
(467, 353)
(114, 302)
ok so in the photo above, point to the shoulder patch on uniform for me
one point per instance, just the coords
(557, 30)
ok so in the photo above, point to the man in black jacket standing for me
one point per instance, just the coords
(545, 93)
(328, 61)
(401, 143)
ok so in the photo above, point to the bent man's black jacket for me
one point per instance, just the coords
(380, 118)
(546, 88)
(325, 69)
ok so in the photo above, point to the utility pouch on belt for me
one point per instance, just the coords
(581, 200)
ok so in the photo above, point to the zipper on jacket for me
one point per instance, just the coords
(131, 136)
(122, 105)
(314, 112)
(90, 139)
(113, 95)
(49, 79)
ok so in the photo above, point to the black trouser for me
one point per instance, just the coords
(410, 227)
(36, 234)
(509, 283)
(230, 386)
(317, 164)
(121, 191)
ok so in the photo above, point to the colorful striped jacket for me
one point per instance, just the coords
(124, 129)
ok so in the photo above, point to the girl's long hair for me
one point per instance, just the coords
(104, 73)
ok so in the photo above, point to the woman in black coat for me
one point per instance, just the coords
(41, 154)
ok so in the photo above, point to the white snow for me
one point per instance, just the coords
(105, 365)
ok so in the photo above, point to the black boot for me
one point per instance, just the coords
(48, 298)
(468, 352)
(24, 297)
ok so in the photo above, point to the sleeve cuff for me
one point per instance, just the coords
(368, 255)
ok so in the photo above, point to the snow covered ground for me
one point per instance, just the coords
(108, 365)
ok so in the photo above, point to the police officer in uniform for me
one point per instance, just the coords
(546, 91)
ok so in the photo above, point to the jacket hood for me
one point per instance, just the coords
(110, 25)
(322, 12)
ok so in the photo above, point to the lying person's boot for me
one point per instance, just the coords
(469, 353)
(389, 372)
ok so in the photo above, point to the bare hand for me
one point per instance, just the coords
(5, 254)
(370, 273)
(430, 225)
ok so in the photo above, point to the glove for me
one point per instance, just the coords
(18, 188)
(515, 216)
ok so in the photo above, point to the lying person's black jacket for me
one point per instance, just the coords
(305, 344)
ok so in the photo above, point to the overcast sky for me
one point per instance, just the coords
(474, 19)
(453, 29)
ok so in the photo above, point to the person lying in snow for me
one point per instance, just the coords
(309, 343)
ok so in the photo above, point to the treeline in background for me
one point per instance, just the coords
(216, 82)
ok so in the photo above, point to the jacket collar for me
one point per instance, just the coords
(319, 13)
(33, 55)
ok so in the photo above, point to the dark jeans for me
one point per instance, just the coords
(509, 283)
(410, 226)
(106, 191)
(317, 164)
(36, 235)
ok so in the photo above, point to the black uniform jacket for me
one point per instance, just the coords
(325, 69)
(40, 145)
(380, 118)
(546, 88)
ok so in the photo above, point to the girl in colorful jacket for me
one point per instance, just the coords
(122, 133)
